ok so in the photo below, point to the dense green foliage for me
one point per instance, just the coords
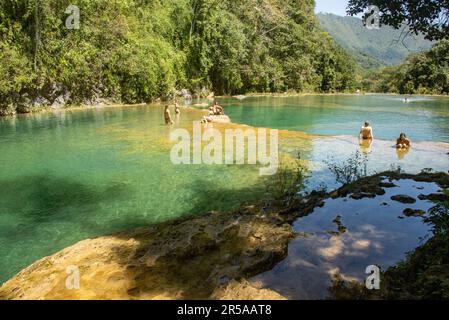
(424, 73)
(136, 50)
(430, 17)
(372, 48)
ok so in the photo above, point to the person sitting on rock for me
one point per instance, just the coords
(403, 142)
(208, 118)
(217, 109)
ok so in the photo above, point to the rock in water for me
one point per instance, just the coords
(413, 213)
(220, 119)
(402, 198)
(434, 197)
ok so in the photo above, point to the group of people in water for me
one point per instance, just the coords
(215, 110)
(167, 114)
(367, 135)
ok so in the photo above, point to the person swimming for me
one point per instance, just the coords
(403, 142)
(167, 116)
(177, 109)
(366, 133)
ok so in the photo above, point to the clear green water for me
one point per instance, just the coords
(71, 175)
(423, 119)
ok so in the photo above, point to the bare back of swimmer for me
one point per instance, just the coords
(366, 133)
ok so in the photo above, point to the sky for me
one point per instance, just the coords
(331, 6)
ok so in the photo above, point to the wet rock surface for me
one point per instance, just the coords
(370, 187)
(185, 259)
(434, 197)
(414, 212)
(402, 198)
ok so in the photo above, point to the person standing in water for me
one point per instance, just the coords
(167, 116)
(366, 133)
(178, 112)
(366, 138)
(403, 143)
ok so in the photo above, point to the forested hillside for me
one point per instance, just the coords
(424, 73)
(372, 48)
(133, 51)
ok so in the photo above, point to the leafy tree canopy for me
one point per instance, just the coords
(133, 51)
(430, 17)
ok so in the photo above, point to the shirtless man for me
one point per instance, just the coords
(366, 133)
(167, 116)
(403, 142)
(177, 109)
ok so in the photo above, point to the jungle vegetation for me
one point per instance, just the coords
(133, 51)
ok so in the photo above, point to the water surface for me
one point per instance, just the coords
(70, 175)
(422, 118)
(377, 233)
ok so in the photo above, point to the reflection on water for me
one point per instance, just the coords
(377, 233)
(366, 146)
(402, 153)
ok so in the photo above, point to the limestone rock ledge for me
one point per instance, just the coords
(203, 257)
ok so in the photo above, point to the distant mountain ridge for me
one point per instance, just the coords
(371, 48)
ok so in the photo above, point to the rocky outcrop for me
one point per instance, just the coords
(244, 290)
(7, 111)
(370, 187)
(198, 258)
